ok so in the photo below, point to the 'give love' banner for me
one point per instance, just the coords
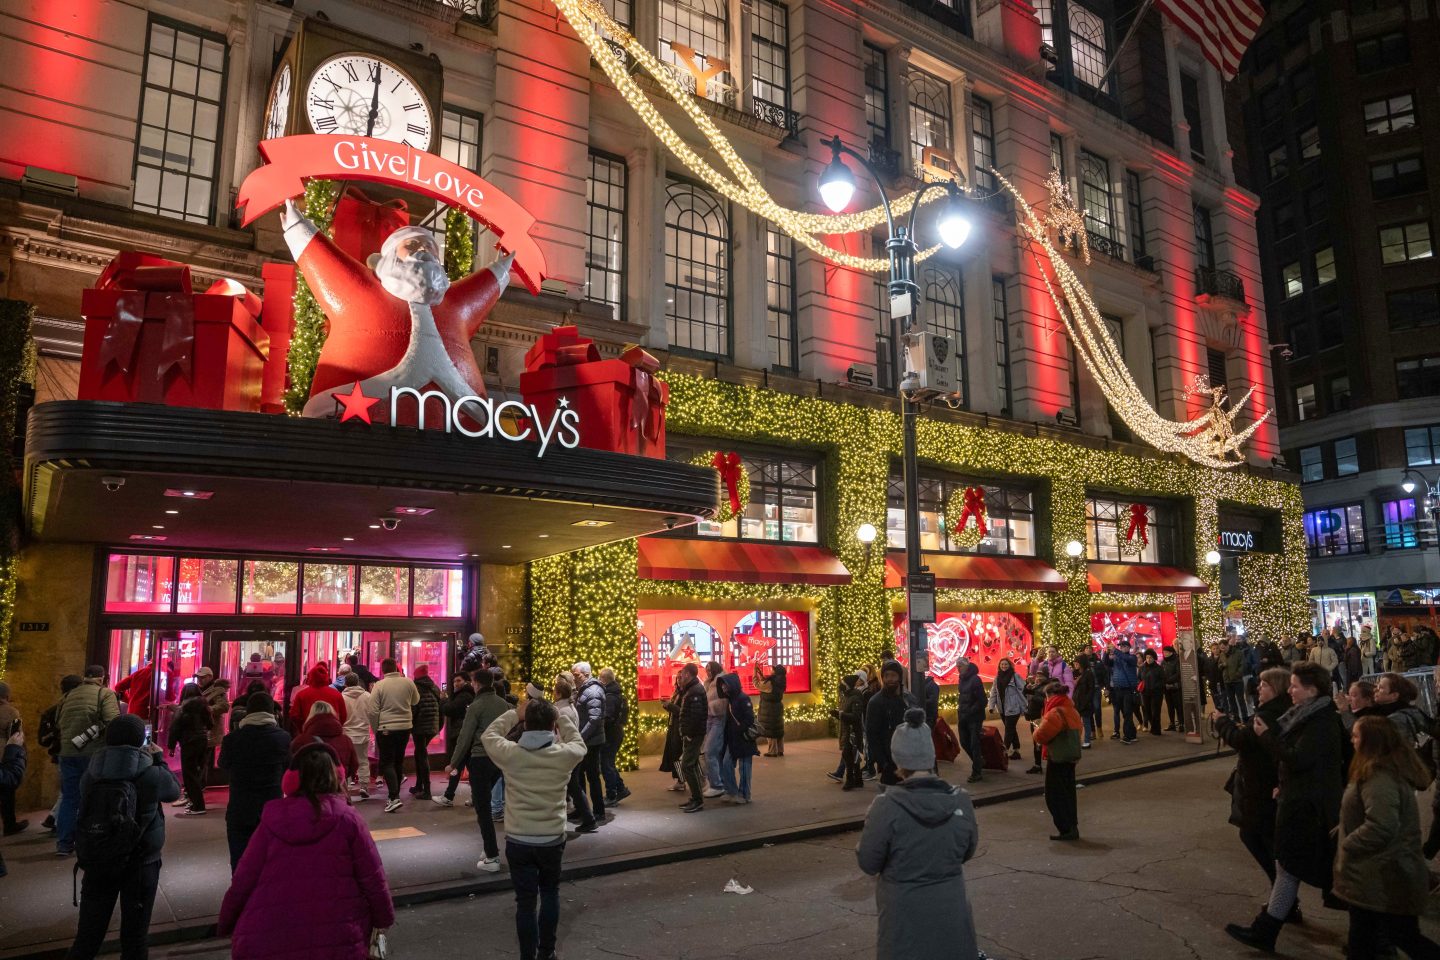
(290, 161)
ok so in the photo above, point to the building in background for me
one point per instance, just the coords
(135, 124)
(1341, 112)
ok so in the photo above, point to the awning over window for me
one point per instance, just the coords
(1142, 578)
(961, 572)
(739, 561)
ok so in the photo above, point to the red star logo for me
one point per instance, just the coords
(356, 404)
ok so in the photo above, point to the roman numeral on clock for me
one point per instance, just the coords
(325, 102)
(350, 71)
(417, 129)
(413, 106)
(325, 124)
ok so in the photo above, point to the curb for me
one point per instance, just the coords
(169, 934)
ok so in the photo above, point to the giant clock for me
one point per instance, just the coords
(333, 81)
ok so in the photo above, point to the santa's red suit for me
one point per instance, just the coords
(380, 340)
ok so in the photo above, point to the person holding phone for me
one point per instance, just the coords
(12, 768)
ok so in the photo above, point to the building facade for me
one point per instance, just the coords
(1336, 98)
(143, 120)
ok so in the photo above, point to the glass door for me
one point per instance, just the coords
(251, 657)
(431, 650)
(331, 647)
(179, 656)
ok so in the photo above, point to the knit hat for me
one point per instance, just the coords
(126, 730)
(910, 745)
(259, 703)
(861, 676)
(534, 692)
(891, 666)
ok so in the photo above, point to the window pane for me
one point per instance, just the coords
(1312, 466)
(770, 53)
(605, 237)
(180, 99)
(384, 591)
(1103, 522)
(942, 309)
(1324, 266)
(780, 297)
(439, 591)
(207, 586)
(329, 589)
(139, 583)
(1347, 459)
(703, 26)
(1400, 525)
(929, 118)
(697, 269)
(877, 96)
(1096, 195)
(982, 140)
(1087, 45)
(269, 586)
(1419, 447)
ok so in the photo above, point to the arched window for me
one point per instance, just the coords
(943, 311)
(697, 269)
(703, 26)
(929, 116)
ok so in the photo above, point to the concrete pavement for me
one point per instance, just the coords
(1158, 874)
(434, 854)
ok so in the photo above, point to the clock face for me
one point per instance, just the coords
(279, 110)
(361, 95)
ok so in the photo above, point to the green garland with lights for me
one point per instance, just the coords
(585, 605)
(310, 329)
(459, 244)
(17, 368)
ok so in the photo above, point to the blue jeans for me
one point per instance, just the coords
(1096, 707)
(714, 750)
(497, 797)
(613, 782)
(1088, 718)
(1124, 700)
(732, 785)
(71, 770)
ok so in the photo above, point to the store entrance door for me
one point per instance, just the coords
(249, 657)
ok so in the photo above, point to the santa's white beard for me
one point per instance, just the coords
(421, 279)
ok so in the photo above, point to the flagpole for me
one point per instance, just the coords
(1129, 35)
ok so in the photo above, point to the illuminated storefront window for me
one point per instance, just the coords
(739, 640)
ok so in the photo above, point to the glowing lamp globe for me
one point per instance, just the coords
(1074, 548)
(866, 533)
(837, 185)
(953, 224)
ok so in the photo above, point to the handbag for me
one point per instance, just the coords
(1065, 748)
(379, 946)
(751, 733)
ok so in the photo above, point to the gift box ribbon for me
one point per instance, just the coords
(647, 405)
(729, 466)
(974, 507)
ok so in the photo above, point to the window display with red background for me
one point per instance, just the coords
(984, 637)
(1145, 629)
(738, 639)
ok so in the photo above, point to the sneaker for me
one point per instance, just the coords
(974, 778)
(19, 827)
(694, 806)
(1036, 769)
(415, 790)
(712, 793)
(393, 806)
(744, 800)
(364, 794)
(835, 776)
(1015, 755)
(489, 865)
(469, 803)
(730, 798)
(1085, 744)
(574, 818)
(192, 812)
(497, 815)
(49, 824)
(182, 802)
(442, 801)
(624, 792)
(676, 787)
(1114, 736)
(1128, 740)
(64, 851)
(591, 827)
(867, 775)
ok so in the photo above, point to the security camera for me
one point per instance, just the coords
(112, 483)
(390, 523)
(671, 522)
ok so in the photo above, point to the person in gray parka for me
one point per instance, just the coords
(918, 835)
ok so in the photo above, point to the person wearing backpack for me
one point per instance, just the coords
(255, 753)
(119, 838)
(84, 714)
(12, 770)
(1059, 734)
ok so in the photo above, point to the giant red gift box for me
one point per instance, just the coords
(150, 339)
(620, 403)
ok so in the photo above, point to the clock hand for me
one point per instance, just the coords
(374, 104)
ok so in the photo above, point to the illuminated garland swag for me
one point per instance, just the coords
(584, 605)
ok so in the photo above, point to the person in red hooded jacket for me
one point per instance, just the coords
(316, 687)
(136, 691)
(1059, 733)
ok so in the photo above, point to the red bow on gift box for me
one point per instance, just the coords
(647, 406)
(729, 466)
(154, 286)
(1139, 523)
(974, 507)
(561, 347)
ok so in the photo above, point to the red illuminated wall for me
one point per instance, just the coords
(982, 637)
(737, 639)
(1145, 629)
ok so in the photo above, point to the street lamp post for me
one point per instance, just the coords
(837, 187)
(1432, 498)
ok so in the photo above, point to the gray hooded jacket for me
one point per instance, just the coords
(917, 838)
(155, 786)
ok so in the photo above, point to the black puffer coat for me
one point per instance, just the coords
(1313, 758)
(1252, 785)
(426, 713)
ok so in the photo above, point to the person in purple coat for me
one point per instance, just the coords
(311, 848)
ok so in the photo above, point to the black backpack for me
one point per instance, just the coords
(108, 830)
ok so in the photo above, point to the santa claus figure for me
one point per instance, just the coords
(396, 322)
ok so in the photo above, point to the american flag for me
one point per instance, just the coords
(1223, 28)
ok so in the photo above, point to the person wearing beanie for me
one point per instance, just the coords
(469, 753)
(191, 734)
(850, 711)
(885, 712)
(126, 756)
(83, 714)
(255, 754)
(1059, 735)
(917, 838)
(477, 655)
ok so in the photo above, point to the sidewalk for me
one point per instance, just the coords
(433, 856)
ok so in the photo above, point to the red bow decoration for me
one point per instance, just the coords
(974, 507)
(729, 466)
(1139, 523)
(561, 347)
(647, 405)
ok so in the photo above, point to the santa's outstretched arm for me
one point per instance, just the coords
(341, 284)
(472, 297)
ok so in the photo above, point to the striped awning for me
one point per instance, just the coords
(1142, 578)
(955, 571)
(739, 561)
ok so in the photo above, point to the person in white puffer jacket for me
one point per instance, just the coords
(357, 727)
